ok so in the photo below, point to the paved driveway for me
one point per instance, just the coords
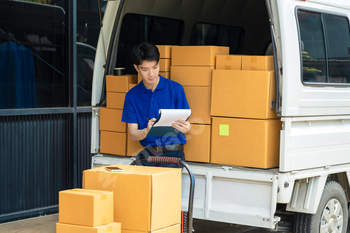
(47, 224)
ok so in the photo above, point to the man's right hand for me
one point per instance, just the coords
(150, 124)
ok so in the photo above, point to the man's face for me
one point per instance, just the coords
(149, 71)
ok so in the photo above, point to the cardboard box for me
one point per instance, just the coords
(164, 64)
(197, 148)
(243, 93)
(132, 86)
(258, 63)
(115, 100)
(145, 198)
(85, 207)
(165, 74)
(245, 142)
(171, 229)
(228, 62)
(113, 143)
(111, 120)
(197, 55)
(198, 99)
(165, 50)
(107, 228)
(133, 147)
(139, 78)
(120, 83)
(192, 75)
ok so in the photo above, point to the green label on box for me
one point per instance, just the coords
(224, 130)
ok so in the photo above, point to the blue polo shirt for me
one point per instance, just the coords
(141, 103)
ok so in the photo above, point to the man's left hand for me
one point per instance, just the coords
(182, 126)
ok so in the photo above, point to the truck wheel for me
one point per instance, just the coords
(331, 215)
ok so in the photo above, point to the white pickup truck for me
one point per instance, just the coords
(310, 42)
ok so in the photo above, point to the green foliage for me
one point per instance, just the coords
(308, 58)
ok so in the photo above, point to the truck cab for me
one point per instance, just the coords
(310, 44)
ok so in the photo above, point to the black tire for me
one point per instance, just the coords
(333, 193)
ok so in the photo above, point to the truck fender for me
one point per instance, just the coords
(307, 194)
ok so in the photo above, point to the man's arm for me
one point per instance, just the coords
(137, 134)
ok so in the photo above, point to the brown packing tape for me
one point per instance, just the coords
(228, 58)
(103, 220)
(227, 67)
(254, 59)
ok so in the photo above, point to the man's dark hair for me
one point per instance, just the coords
(144, 52)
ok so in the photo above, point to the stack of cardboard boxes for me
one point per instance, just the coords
(230, 97)
(146, 199)
(83, 210)
(192, 67)
(114, 135)
(245, 130)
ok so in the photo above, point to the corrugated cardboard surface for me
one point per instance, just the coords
(165, 50)
(197, 148)
(120, 83)
(245, 142)
(113, 143)
(192, 75)
(165, 74)
(243, 93)
(111, 120)
(257, 63)
(171, 229)
(115, 100)
(164, 64)
(199, 101)
(85, 207)
(196, 55)
(132, 86)
(107, 228)
(145, 198)
(133, 147)
(228, 62)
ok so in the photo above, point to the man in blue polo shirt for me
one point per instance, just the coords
(142, 104)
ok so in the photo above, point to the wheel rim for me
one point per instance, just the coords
(332, 217)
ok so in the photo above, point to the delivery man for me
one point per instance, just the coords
(142, 104)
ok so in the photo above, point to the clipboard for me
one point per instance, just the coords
(162, 125)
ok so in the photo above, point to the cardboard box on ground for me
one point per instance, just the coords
(107, 228)
(86, 211)
(146, 199)
(85, 207)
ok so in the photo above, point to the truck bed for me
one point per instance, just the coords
(230, 194)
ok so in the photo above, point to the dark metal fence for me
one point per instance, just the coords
(37, 161)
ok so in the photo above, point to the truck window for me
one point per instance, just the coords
(211, 34)
(325, 41)
(136, 29)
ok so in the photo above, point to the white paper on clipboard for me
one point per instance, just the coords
(169, 116)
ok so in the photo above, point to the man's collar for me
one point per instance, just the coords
(160, 85)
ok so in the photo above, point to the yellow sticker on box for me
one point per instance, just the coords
(224, 130)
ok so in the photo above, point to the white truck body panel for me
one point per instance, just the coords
(246, 196)
(308, 142)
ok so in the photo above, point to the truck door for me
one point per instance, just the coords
(314, 85)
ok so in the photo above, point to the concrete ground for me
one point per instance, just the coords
(47, 224)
